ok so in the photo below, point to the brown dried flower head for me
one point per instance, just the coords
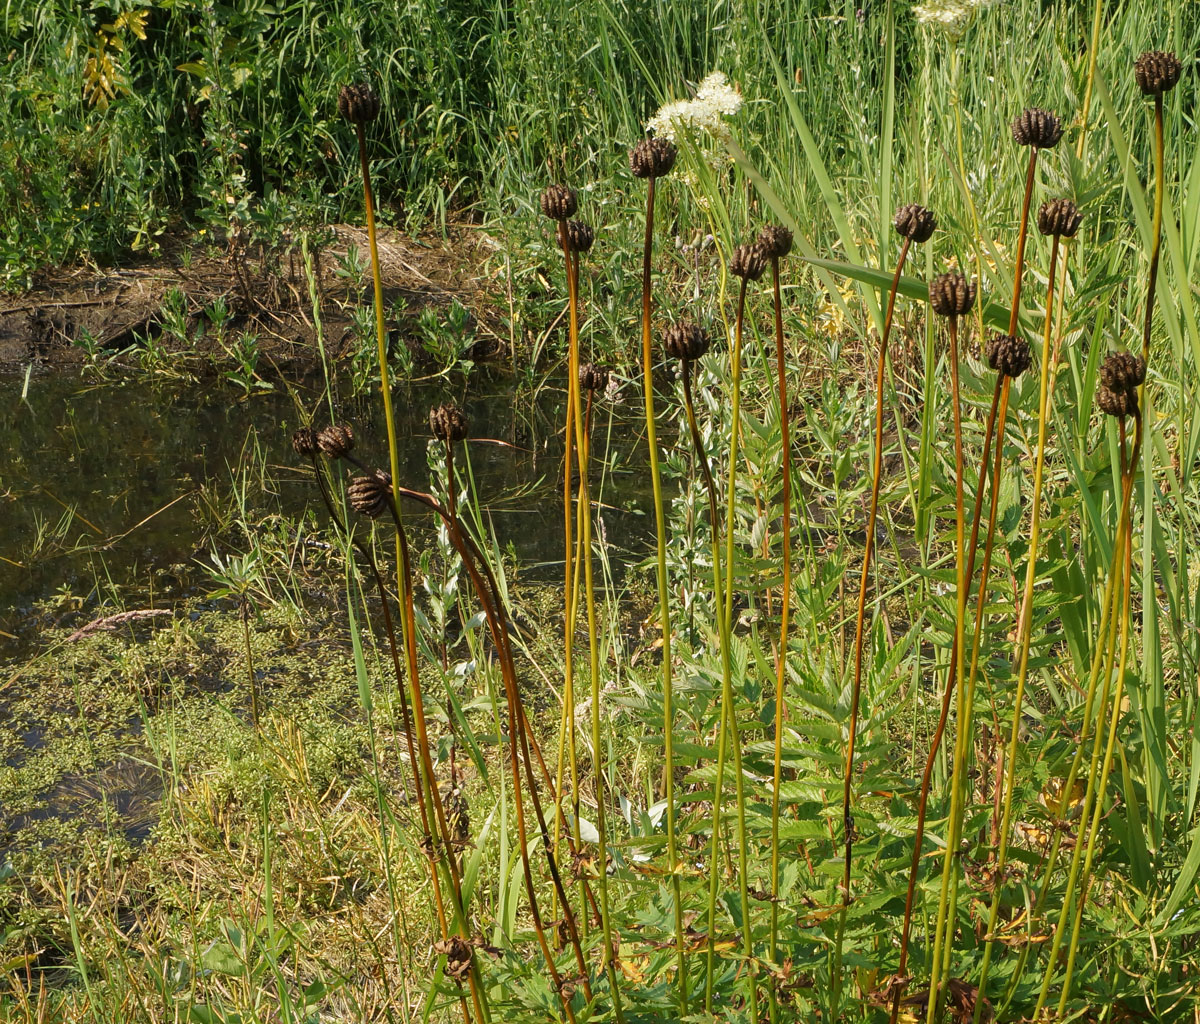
(358, 103)
(368, 494)
(1037, 127)
(1123, 371)
(304, 442)
(1157, 71)
(593, 377)
(915, 222)
(336, 440)
(951, 295)
(686, 341)
(776, 241)
(448, 423)
(580, 236)
(748, 261)
(652, 158)
(1009, 355)
(1059, 217)
(458, 953)
(1116, 402)
(559, 202)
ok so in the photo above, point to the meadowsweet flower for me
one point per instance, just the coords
(950, 16)
(714, 101)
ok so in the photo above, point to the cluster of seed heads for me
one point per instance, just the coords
(951, 295)
(748, 261)
(336, 440)
(685, 341)
(369, 494)
(593, 377)
(776, 241)
(1157, 71)
(1121, 374)
(1008, 354)
(1038, 128)
(1059, 217)
(559, 202)
(915, 223)
(652, 158)
(358, 103)
(448, 423)
(580, 236)
(304, 442)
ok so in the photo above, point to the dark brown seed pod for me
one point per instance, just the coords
(580, 236)
(593, 377)
(748, 261)
(1037, 127)
(776, 241)
(951, 295)
(686, 341)
(1123, 371)
(1009, 355)
(915, 222)
(358, 103)
(1157, 71)
(652, 158)
(1059, 217)
(368, 495)
(448, 423)
(1117, 402)
(336, 440)
(559, 202)
(458, 814)
(304, 442)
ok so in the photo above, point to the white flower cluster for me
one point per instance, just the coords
(950, 16)
(715, 100)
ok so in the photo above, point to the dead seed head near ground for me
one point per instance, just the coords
(368, 494)
(593, 377)
(915, 223)
(304, 442)
(776, 241)
(358, 103)
(458, 956)
(1157, 71)
(1008, 354)
(1123, 371)
(580, 236)
(1038, 128)
(951, 295)
(652, 158)
(748, 261)
(559, 202)
(336, 440)
(448, 423)
(1059, 217)
(686, 341)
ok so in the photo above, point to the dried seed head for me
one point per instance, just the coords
(1059, 217)
(1037, 127)
(1116, 402)
(580, 236)
(448, 423)
(951, 295)
(1123, 371)
(652, 158)
(915, 222)
(458, 814)
(304, 442)
(368, 495)
(748, 261)
(686, 341)
(593, 377)
(776, 241)
(1009, 355)
(457, 951)
(336, 440)
(559, 202)
(1157, 71)
(358, 103)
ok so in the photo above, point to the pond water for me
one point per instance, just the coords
(109, 490)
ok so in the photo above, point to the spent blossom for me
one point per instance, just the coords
(715, 100)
